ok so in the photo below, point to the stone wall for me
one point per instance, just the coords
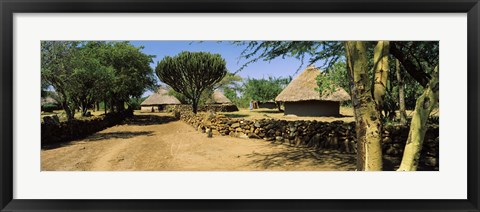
(337, 135)
(213, 107)
(54, 131)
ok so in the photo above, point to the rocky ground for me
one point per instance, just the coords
(157, 142)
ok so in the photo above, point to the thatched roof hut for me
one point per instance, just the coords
(219, 98)
(48, 100)
(301, 98)
(158, 100)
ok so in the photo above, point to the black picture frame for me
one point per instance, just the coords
(9, 7)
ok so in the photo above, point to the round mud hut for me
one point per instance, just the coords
(301, 98)
(159, 101)
(221, 103)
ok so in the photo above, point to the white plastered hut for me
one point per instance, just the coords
(158, 101)
(300, 97)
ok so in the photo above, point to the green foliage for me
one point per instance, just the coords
(49, 107)
(334, 77)
(82, 73)
(327, 51)
(134, 102)
(264, 89)
(191, 73)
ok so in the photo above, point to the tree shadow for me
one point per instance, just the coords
(99, 136)
(266, 111)
(144, 120)
(340, 161)
(117, 135)
(236, 115)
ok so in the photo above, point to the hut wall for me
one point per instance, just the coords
(312, 108)
(268, 105)
(156, 108)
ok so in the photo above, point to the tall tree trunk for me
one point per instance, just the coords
(401, 94)
(68, 111)
(112, 105)
(424, 106)
(105, 105)
(120, 106)
(97, 104)
(195, 105)
(367, 117)
(380, 66)
(84, 110)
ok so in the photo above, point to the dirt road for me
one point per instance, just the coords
(157, 142)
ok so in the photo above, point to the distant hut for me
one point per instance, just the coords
(48, 100)
(300, 97)
(158, 101)
(219, 100)
(48, 104)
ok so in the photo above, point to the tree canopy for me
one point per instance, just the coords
(83, 73)
(191, 73)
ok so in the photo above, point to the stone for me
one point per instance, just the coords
(268, 138)
(278, 138)
(242, 135)
(209, 133)
(257, 124)
(235, 125)
(215, 132)
(253, 135)
(431, 161)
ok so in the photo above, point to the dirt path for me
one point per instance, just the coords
(157, 142)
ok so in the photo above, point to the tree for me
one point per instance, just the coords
(264, 89)
(191, 73)
(425, 104)
(83, 73)
(401, 93)
(58, 61)
(335, 76)
(367, 117)
(131, 69)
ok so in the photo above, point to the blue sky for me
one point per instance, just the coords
(231, 53)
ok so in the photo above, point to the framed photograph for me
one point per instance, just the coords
(235, 105)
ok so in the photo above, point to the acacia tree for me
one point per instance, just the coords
(191, 73)
(58, 61)
(131, 69)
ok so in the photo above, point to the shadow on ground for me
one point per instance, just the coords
(143, 120)
(266, 111)
(236, 115)
(295, 155)
(117, 135)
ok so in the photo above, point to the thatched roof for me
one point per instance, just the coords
(48, 100)
(219, 98)
(160, 97)
(302, 88)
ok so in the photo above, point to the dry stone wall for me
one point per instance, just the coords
(337, 135)
(215, 108)
(54, 131)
